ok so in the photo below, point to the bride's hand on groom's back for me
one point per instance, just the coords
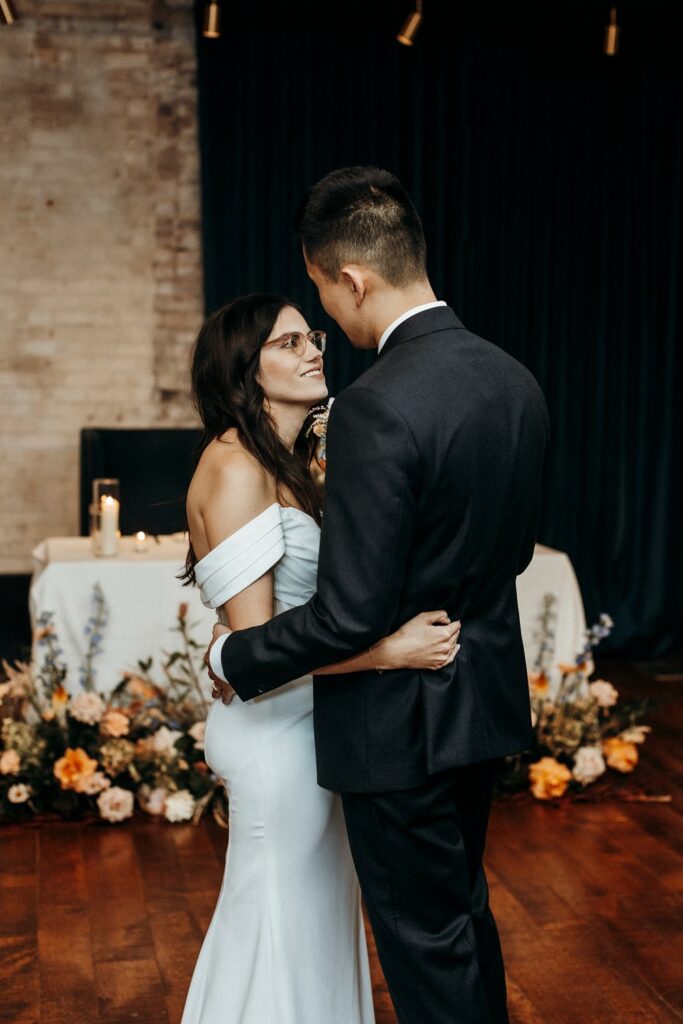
(427, 641)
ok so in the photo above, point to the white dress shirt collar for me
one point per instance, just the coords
(404, 316)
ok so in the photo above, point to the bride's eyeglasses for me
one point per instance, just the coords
(297, 341)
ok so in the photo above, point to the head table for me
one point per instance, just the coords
(143, 595)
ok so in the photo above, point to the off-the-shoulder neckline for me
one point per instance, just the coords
(276, 504)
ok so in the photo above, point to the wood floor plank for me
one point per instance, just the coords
(19, 969)
(67, 981)
(119, 923)
(130, 991)
(181, 886)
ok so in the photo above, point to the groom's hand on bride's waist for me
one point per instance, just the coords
(221, 688)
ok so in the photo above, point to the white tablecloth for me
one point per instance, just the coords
(143, 596)
(551, 572)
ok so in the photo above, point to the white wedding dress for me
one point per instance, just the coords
(286, 944)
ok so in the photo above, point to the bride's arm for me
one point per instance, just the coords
(239, 492)
(427, 641)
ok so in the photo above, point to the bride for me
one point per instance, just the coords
(286, 944)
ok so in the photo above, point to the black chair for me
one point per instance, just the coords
(154, 468)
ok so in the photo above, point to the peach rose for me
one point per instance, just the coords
(114, 723)
(139, 687)
(93, 784)
(604, 693)
(10, 762)
(549, 779)
(74, 768)
(620, 754)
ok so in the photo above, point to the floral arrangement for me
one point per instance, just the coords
(74, 754)
(582, 730)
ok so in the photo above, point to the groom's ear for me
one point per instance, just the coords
(355, 280)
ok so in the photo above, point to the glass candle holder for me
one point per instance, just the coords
(104, 516)
(105, 487)
(94, 512)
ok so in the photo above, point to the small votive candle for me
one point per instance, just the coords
(141, 541)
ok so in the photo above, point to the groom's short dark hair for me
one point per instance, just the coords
(363, 215)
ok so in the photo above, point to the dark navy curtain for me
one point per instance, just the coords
(549, 180)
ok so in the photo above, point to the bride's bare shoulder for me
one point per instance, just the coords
(227, 471)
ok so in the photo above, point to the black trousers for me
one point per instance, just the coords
(418, 854)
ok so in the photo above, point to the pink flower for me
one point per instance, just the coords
(604, 693)
(115, 804)
(153, 801)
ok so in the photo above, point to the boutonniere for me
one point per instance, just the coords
(319, 415)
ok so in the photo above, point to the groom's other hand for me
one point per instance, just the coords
(221, 688)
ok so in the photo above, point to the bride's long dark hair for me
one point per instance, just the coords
(226, 393)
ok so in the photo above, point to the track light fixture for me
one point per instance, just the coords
(212, 20)
(612, 34)
(7, 15)
(411, 26)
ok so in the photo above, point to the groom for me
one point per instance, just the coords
(432, 501)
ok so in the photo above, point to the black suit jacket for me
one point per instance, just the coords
(435, 459)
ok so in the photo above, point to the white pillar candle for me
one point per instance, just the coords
(141, 541)
(109, 525)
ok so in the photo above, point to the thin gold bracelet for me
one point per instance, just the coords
(372, 662)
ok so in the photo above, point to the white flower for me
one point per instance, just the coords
(635, 734)
(115, 804)
(534, 719)
(10, 762)
(588, 765)
(94, 783)
(179, 806)
(604, 693)
(153, 801)
(87, 707)
(197, 734)
(19, 793)
(163, 740)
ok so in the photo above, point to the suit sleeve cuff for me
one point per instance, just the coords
(215, 657)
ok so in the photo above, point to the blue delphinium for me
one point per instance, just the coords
(94, 631)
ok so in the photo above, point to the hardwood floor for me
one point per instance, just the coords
(102, 925)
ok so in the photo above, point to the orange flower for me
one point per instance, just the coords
(549, 779)
(182, 610)
(538, 682)
(40, 634)
(60, 696)
(620, 754)
(74, 768)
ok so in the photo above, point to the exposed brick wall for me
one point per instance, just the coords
(100, 290)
